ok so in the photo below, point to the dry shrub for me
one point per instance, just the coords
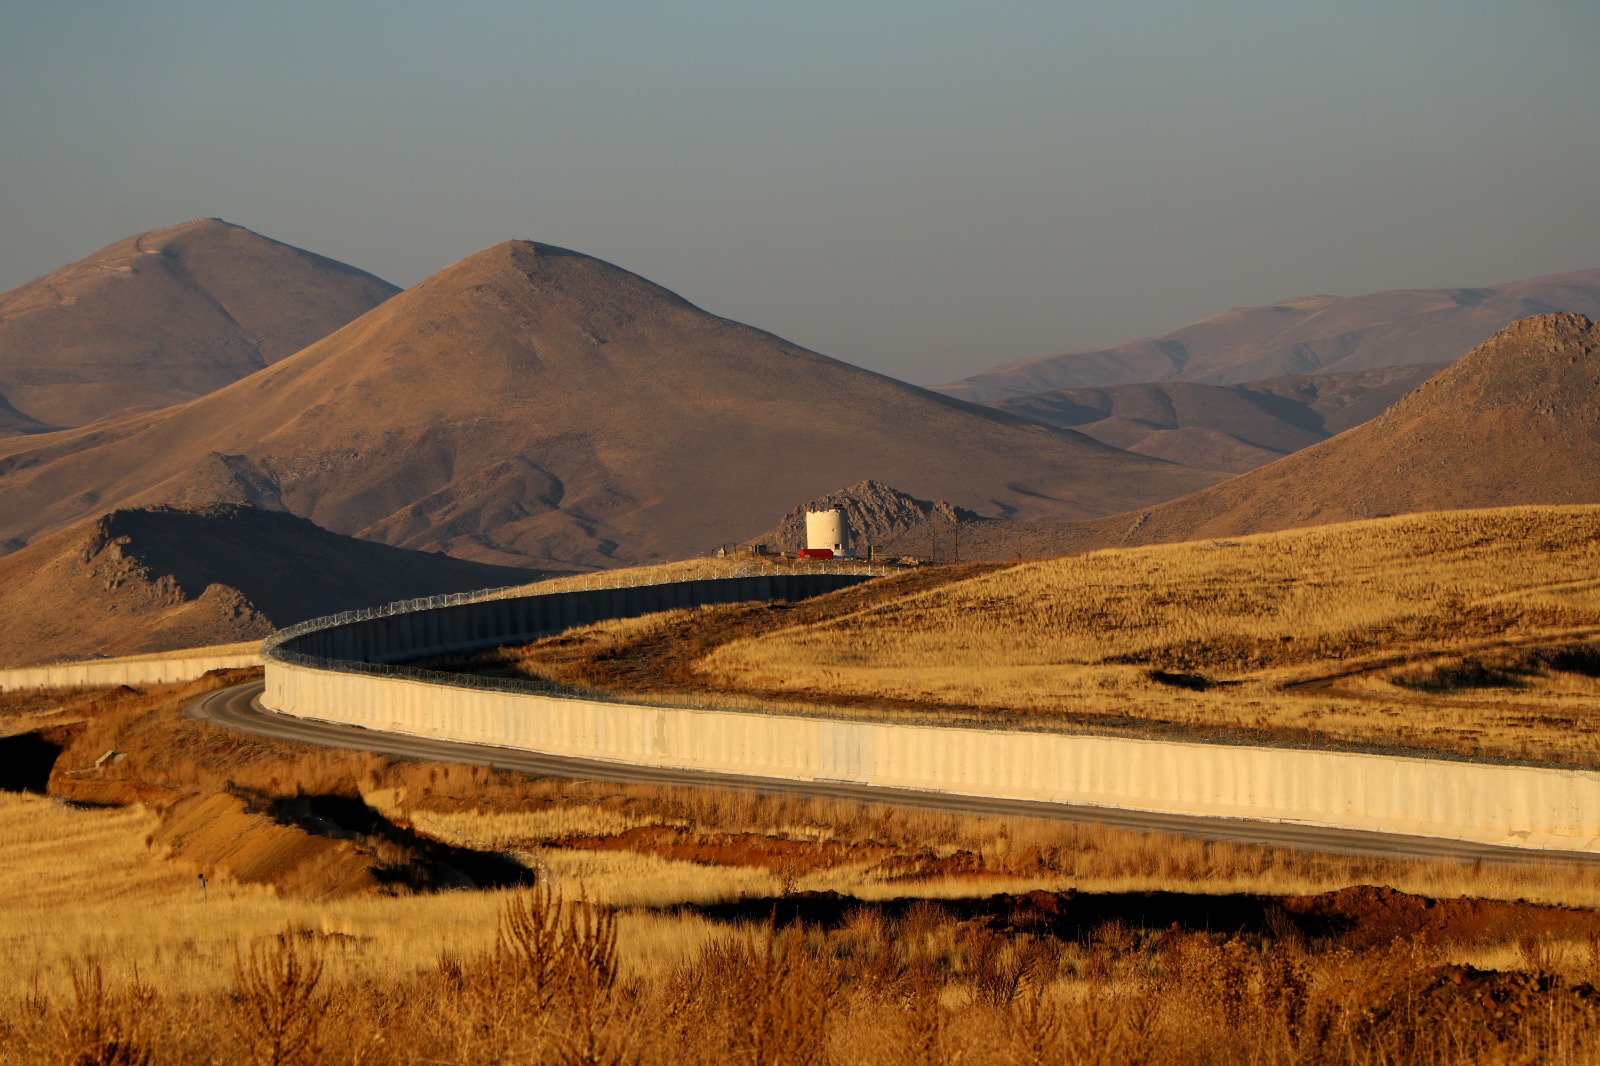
(756, 999)
(100, 1027)
(277, 1008)
(998, 967)
(870, 990)
(549, 989)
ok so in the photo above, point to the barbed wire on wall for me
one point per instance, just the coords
(272, 646)
(602, 579)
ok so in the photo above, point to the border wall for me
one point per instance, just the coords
(1486, 803)
(446, 625)
(142, 670)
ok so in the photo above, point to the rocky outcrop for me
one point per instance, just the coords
(879, 515)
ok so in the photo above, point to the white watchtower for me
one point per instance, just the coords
(829, 530)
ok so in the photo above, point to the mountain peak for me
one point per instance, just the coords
(1515, 421)
(533, 404)
(167, 315)
(1543, 361)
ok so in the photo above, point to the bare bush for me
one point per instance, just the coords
(277, 1007)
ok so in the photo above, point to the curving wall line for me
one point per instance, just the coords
(136, 670)
(349, 672)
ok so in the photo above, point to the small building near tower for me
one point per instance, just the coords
(829, 530)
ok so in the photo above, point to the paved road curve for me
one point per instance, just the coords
(239, 708)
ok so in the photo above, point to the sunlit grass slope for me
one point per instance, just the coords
(1467, 631)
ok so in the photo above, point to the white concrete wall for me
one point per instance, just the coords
(97, 673)
(1520, 806)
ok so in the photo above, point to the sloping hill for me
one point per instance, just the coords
(154, 579)
(1223, 427)
(535, 405)
(13, 421)
(1517, 421)
(1310, 335)
(165, 316)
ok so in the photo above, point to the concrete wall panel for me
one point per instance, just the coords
(105, 673)
(1471, 801)
(1425, 797)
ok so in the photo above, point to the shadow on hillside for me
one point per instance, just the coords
(26, 761)
(405, 856)
(1351, 917)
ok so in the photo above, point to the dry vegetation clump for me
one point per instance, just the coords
(1373, 633)
(917, 983)
(720, 925)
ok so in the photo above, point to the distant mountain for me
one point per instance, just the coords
(1310, 335)
(537, 406)
(154, 579)
(166, 316)
(1223, 427)
(1517, 421)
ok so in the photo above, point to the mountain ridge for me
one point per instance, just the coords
(1303, 335)
(139, 580)
(1223, 427)
(534, 405)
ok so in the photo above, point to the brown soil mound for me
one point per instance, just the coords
(1372, 916)
(322, 847)
(219, 835)
(726, 849)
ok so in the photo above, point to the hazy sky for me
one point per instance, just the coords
(926, 189)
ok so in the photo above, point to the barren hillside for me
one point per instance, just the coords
(1309, 335)
(153, 579)
(165, 316)
(534, 405)
(1223, 427)
(1517, 421)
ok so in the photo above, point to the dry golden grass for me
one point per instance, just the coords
(880, 851)
(113, 954)
(694, 844)
(1316, 634)
(1006, 984)
(678, 570)
(77, 884)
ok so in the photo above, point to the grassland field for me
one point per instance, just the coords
(1466, 634)
(366, 909)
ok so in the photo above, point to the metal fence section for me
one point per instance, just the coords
(381, 640)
